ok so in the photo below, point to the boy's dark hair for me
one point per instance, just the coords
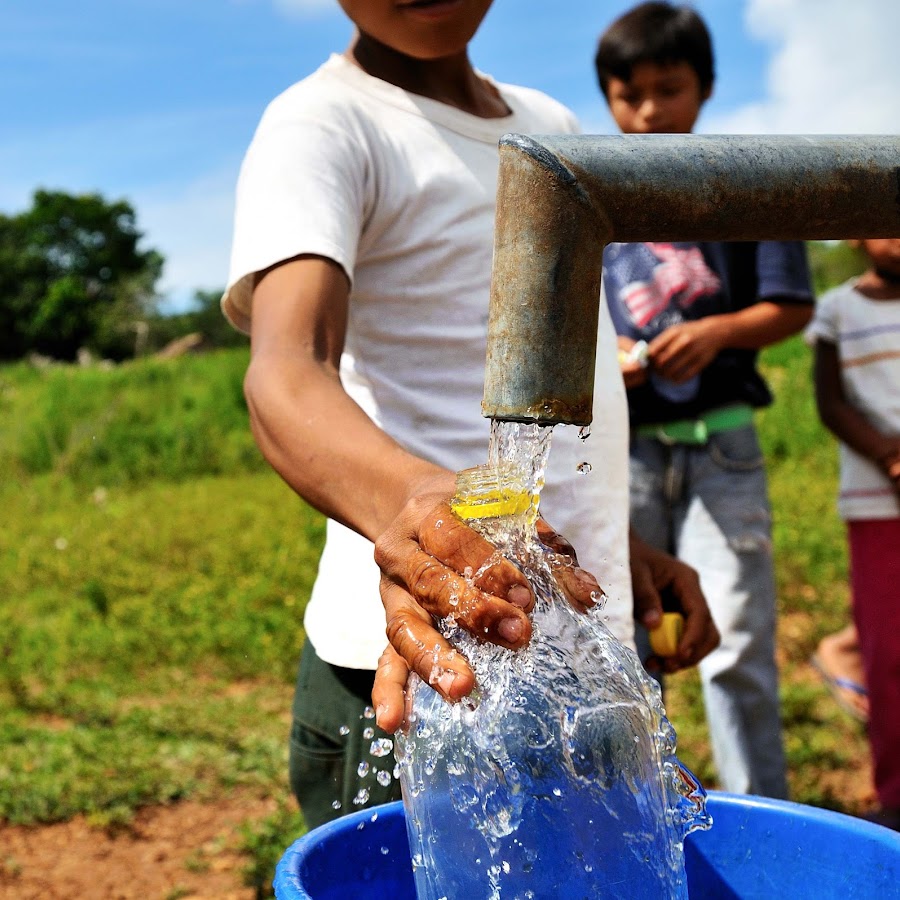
(655, 32)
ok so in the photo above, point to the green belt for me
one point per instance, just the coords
(697, 431)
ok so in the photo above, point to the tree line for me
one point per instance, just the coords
(74, 277)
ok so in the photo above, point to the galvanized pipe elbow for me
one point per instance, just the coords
(561, 199)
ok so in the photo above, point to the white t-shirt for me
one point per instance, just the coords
(867, 336)
(400, 191)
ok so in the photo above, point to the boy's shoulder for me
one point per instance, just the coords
(330, 92)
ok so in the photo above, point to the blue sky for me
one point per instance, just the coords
(155, 101)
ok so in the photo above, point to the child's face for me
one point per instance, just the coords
(422, 29)
(657, 99)
(884, 254)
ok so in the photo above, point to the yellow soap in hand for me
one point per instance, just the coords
(665, 637)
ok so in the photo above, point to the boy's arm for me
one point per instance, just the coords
(335, 457)
(844, 420)
(308, 428)
(686, 349)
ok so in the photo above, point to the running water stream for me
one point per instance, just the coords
(558, 777)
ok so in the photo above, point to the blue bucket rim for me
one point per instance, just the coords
(877, 833)
(287, 879)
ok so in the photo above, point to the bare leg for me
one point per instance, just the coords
(839, 660)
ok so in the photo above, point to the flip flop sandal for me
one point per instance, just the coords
(835, 685)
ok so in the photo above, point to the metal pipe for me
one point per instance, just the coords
(561, 199)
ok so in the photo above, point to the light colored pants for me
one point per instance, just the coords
(708, 505)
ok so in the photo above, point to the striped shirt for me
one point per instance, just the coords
(866, 334)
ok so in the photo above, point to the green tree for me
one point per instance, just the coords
(72, 275)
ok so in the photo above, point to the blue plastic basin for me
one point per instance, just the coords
(757, 848)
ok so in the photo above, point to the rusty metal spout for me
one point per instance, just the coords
(561, 199)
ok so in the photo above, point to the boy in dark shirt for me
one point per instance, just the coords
(691, 318)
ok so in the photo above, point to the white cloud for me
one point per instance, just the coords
(835, 68)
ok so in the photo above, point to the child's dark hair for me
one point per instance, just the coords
(655, 32)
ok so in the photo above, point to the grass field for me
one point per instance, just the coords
(153, 575)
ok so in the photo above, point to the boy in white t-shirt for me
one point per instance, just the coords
(856, 332)
(361, 268)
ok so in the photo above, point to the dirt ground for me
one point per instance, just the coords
(186, 851)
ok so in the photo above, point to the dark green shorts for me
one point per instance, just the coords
(333, 769)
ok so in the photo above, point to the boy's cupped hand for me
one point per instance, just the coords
(434, 565)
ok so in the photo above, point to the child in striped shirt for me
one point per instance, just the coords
(856, 335)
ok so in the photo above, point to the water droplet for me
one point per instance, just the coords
(383, 777)
(344, 730)
(362, 796)
(584, 432)
(369, 713)
(557, 792)
(381, 747)
(336, 804)
(368, 733)
(362, 769)
(585, 468)
(385, 851)
(439, 523)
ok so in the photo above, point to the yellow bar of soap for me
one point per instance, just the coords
(664, 639)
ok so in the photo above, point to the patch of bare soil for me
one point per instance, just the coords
(186, 851)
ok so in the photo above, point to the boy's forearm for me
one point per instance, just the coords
(686, 349)
(326, 448)
(310, 430)
(759, 325)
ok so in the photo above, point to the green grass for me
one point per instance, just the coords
(124, 624)
(153, 576)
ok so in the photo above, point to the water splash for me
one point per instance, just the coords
(563, 757)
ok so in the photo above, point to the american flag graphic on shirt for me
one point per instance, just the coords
(649, 279)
